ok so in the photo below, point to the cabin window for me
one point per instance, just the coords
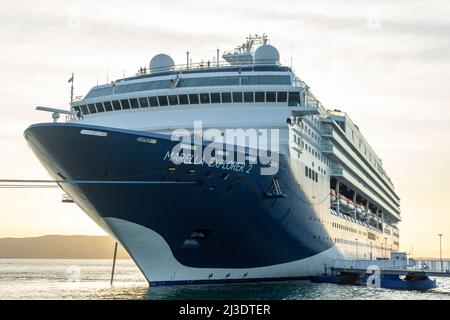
(153, 101)
(134, 103)
(259, 97)
(248, 97)
(270, 96)
(183, 98)
(137, 87)
(108, 105)
(253, 80)
(229, 81)
(267, 79)
(215, 97)
(237, 97)
(143, 102)
(173, 100)
(244, 80)
(187, 82)
(163, 84)
(204, 98)
(191, 82)
(92, 108)
(125, 104)
(214, 81)
(121, 89)
(146, 86)
(226, 97)
(163, 101)
(84, 109)
(116, 105)
(306, 171)
(294, 99)
(99, 107)
(151, 85)
(193, 98)
(201, 82)
(281, 96)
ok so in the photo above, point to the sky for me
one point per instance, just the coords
(386, 63)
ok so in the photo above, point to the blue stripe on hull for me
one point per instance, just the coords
(243, 228)
(223, 281)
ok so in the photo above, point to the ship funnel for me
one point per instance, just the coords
(161, 62)
(267, 54)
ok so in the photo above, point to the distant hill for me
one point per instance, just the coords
(60, 247)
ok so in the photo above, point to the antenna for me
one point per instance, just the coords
(218, 52)
(187, 59)
(71, 88)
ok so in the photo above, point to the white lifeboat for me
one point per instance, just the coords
(378, 218)
(369, 216)
(360, 210)
(350, 204)
(343, 201)
(333, 195)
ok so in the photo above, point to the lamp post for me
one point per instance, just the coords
(385, 245)
(356, 243)
(440, 250)
(370, 250)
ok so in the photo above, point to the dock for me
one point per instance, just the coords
(398, 272)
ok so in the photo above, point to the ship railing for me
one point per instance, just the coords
(70, 118)
(429, 264)
(311, 100)
(204, 66)
(390, 264)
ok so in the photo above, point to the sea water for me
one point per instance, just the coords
(90, 279)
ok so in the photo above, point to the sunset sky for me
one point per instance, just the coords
(386, 63)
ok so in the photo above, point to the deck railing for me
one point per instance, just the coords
(205, 65)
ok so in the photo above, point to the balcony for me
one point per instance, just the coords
(326, 148)
(326, 132)
(337, 171)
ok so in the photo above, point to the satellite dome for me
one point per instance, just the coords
(161, 62)
(266, 54)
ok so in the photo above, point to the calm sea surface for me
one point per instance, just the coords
(89, 279)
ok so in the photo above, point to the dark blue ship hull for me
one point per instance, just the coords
(225, 219)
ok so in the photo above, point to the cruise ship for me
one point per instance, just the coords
(128, 155)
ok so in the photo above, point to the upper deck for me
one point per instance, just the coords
(195, 84)
(246, 76)
(199, 77)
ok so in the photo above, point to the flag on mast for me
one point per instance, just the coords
(71, 79)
